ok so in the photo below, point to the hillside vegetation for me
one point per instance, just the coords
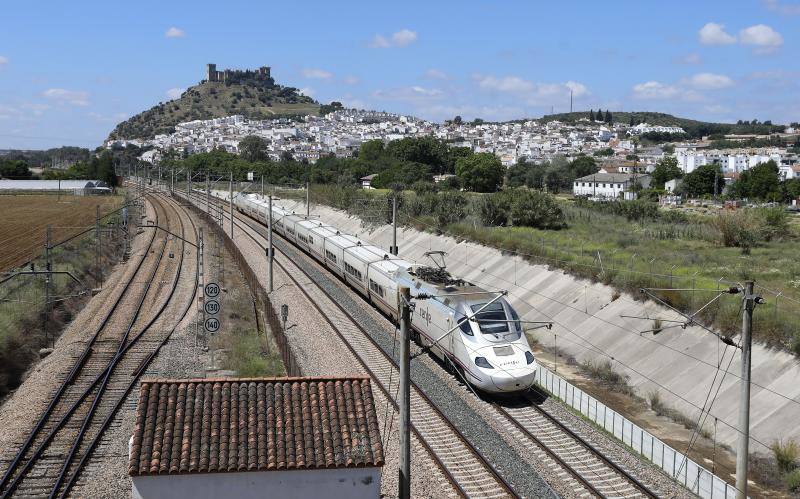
(694, 128)
(208, 100)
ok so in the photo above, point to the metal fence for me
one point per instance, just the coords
(676, 464)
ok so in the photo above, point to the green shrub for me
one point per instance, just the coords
(775, 223)
(793, 481)
(452, 208)
(786, 454)
(737, 229)
(493, 209)
(536, 209)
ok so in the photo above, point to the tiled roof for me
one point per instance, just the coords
(229, 424)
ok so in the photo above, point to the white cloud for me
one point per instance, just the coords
(317, 74)
(308, 91)
(175, 93)
(716, 109)
(654, 90)
(435, 74)
(782, 8)
(63, 96)
(413, 94)
(404, 37)
(400, 38)
(174, 32)
(761, 36)
(351, 80)
(714, 34)
(709, 81)
(113, 118)
(692, 58)
(3, 61)
(532, 93)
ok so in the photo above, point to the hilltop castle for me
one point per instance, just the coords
(233, 75)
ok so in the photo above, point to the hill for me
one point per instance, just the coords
(255, 98)
(694, 128)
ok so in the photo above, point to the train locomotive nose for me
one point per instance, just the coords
(514, 381)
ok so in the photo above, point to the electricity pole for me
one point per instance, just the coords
(230, 205)
(750, 301)
(270, 251)
(393, 249)
(404, 396)
(97, 245)
(47, 284)
(208, 198)
(308, 198)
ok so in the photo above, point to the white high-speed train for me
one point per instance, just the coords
(487, 345)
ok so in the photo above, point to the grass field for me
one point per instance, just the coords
(23, 314)
(25, 218)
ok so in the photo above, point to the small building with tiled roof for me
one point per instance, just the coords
(259, 437)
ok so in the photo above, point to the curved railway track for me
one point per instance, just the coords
(61, 443)
(569, 455)
(467, 470)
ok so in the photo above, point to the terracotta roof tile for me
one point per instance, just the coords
(228, 424)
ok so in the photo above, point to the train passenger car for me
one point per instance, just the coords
(381, 278)
(334, 251)
(316, 240)
(357, 260)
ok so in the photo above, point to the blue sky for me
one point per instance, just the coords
(69, 71)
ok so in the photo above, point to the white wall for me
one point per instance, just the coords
(343, 483)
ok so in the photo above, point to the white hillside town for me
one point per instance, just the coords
(342, 132)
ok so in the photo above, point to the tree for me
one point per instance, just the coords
(700, 182)
(517, 173)
(536, 209)
(457, 120)
(666, 170)
(760, 182)
(482, 172)
(371, 150)
(630, 122)
(599, 115)
(591, 115)
(14, 169)
(582, 166)
(253, 148)
(608, 118)
(329, 108)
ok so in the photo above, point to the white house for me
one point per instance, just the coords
(608, 185)
(256, 437)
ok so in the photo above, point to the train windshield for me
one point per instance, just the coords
(492, 319)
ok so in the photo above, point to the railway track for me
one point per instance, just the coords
(563, 448)
(570, 456)
(468, 471)
(61, 443)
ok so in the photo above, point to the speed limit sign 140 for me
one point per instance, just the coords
(212, 324)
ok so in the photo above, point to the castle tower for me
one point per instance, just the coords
(264, 71)
(212, 72)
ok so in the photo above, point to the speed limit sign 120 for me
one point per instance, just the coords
(212, 290)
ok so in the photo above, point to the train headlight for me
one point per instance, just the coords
(529, 357)
(482, 362)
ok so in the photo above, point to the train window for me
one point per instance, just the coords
(310, 240)
(492, 319)
(352, 271)
(376, 288)
(515, 318)
(330, 256)
(465, 327)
